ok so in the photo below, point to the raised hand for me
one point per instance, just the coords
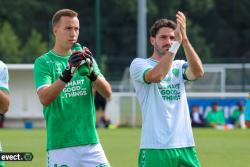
(178, 34)
(181, 22)
(74, 62)
(76, 58)
(89, 60)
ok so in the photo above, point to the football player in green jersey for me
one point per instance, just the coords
(67, 97)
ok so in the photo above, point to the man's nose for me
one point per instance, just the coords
(73, 33)
(168, 40)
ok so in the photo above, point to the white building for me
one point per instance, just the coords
(24, 102)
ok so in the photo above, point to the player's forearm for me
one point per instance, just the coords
(195, 64)
(161, 69)
(48, 94)
(4, 102)
(103, 87)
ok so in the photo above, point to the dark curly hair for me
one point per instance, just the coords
(161, 23)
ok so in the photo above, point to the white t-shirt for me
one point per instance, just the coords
(4, 77)
(165, 114)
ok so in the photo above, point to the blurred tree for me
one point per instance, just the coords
(33, 48)
(9, 44)
(234, 30)
(118, 35)
(27, 15)
(195, 30)
(217, 29)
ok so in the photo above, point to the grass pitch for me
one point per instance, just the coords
(215, 148)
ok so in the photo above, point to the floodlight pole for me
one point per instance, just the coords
(141, 29)
(98, 32)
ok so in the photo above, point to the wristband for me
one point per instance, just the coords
(66, 75)
(92, 76)
(174, 47)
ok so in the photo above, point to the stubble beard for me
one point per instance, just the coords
(161, 52)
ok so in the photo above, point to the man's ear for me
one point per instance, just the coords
(54, 29)
(152, 40)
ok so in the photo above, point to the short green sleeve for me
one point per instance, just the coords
(42, 75)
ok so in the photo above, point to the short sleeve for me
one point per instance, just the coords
(182, 67)
(42, 75)
(4, 77)
(138, 68)
(184, 70)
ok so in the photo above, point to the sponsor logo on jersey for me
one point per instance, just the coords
(75, 88)
(170, 92)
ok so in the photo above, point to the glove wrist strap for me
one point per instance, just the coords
(92, 77)
(66, 76)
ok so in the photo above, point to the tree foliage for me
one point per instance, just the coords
(9, 44)
(218, 29)
(34, 47)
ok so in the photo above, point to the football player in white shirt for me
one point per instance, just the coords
(4, 88)
(4, 94)
(167, 138)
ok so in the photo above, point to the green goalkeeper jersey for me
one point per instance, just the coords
(70, 118)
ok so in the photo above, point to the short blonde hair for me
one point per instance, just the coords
(63, 12)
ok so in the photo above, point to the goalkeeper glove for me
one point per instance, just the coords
(74, 62)
(89, 60)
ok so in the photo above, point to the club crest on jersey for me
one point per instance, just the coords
(175, 71)
(58, 68)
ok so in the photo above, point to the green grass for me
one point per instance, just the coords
(215, 148)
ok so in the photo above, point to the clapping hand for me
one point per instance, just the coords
(181, 26)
